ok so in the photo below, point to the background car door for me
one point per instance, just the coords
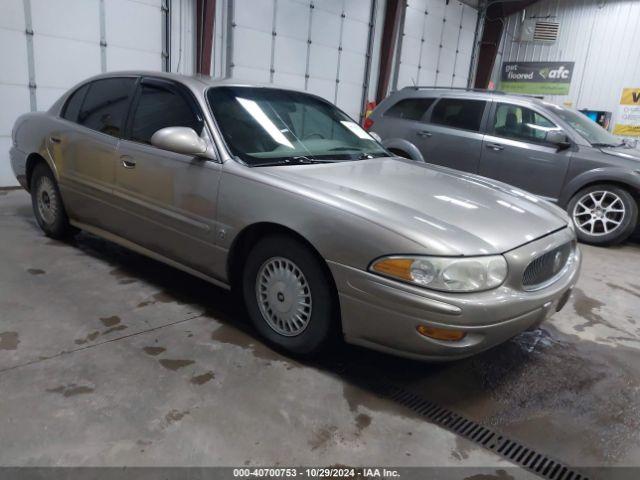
(85, 145)
(169, 199)
(515, 151)
(453, 135)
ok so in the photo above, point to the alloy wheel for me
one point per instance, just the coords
(47, 200)
(599, 213)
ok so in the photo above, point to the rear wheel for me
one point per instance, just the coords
(47, 204)
(289, 295)
(603, 214)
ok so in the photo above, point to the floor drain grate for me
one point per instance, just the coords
(511, 450)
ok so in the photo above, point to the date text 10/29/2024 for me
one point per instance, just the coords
(320, 472)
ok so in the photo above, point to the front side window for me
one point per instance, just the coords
(520, 123)
(73, 105)
(410, 108)
(587, 128)
(459, 113)
(266, 126)
(159, 107)
(105, 105)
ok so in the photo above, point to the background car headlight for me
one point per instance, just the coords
(448, 274)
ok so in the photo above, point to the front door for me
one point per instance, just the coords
(453, 137)
(515, 151)
(169, 199)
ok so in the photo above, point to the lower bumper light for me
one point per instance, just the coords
(441, 333)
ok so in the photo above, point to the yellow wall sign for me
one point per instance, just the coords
(628, 118)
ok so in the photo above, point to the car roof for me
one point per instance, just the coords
(465, 93)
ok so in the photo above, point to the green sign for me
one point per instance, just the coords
(538, 78)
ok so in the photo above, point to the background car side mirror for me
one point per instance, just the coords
(182, 140)
(558, 138)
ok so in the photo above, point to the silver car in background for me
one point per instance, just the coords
(283, 197)
(554, 152)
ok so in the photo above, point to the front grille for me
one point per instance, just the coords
(546, 266)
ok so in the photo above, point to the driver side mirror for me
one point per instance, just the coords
(558, 138)
(182, 140)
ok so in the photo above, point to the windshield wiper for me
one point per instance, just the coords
(612, 145)
(299, 160)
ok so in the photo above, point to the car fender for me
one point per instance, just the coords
(599, 175)
(405, 146)
(31, 133)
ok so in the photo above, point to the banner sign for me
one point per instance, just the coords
(628, 117)
(538, 78)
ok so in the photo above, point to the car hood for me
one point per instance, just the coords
(448, 212)
(631, 154)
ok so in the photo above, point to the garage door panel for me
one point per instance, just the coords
(47, 96)
(413, 22)
(7, 177)
(324, 88)
(358, 10)
(433, 30)
(325, 28)
(420, 5)
(330, 6)
(407, 75)
(426, 77)
(288, 80)
(290, 56)
(252, 48)
(292, 19)
(13, 60)
(249, 74)
(355, 36)
(429, 57)
(450, 35)
(84, 24)
(349, 98)
(323, 62)
(469, 18)
(352, 66)
(466, 41)
(453, 11)
(436, 8)
(56, 61)
(256, 15)
(460, 81)
(12, 15)
(410, 51)
(15, 102)
(133, 24)
(126, 59)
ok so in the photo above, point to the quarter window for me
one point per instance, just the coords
(410, 108)
(160, 107)
(459, 113)
(72, 108)
(520, 123)
(105, 105)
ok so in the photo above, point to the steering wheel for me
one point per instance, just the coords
(314, 134)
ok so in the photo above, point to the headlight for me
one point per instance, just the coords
(448, 274)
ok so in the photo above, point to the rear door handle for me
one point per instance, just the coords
(424, 134)
(127, 161)
(54, 139)
(496, 147)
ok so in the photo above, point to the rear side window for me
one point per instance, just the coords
(160, 107)
(459, 113)
(72, 108)
(105, 105)
(410, 108)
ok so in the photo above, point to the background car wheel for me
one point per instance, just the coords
(47, 204)
(603, 214)
(289, 295)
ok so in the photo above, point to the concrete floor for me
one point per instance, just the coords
(109, 358)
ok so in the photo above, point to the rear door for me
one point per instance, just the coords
(515, 150)
(452, 137)
(168, 199)
(84, 147)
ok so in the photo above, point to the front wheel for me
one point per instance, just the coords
(47, 204)
(603, 214)
(289, 295)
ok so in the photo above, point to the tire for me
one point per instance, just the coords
(275, 269)
(603, 214)
(47, 204)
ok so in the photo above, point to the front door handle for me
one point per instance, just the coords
(496, 147)
(424, 134)
(55, 139)
(127, 161)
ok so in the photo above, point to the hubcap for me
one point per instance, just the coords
(284, 296)
(45, 200)
(599, 213)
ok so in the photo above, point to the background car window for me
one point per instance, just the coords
(160, 107)
(459, 113)
(105, 105)
(72, 108)
(410, 108)
(512, 121)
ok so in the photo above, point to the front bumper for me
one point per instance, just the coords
(383, 314)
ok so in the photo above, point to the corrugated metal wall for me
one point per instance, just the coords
(601, 37)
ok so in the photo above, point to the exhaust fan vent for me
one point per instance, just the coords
(539, 31)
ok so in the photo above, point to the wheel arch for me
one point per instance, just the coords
(588, 179)
(396, 145)
(34, 159)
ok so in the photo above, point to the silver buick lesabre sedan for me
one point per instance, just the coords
(283, 197)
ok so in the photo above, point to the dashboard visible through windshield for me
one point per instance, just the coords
(264, 126)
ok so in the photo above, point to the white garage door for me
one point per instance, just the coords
(319, 46)
(64, 48)
(437, 44)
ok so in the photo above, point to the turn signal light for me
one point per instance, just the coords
(394, 267)
(440, 333)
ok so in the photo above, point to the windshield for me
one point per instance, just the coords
(587, 128)
(264, 126)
